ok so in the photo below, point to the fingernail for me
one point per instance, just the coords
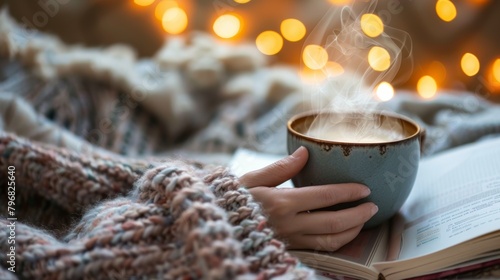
(366, 192)
(298, 151)
(374, 209)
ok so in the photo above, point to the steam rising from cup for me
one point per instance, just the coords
(356, 41)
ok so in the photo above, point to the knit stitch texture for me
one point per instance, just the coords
(178, 220)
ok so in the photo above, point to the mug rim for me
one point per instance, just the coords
(376, 113)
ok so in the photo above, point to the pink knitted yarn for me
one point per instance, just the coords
(177, 221)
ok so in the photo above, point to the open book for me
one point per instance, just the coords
(450, 223)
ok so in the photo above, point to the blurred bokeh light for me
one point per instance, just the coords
(384, 91)
(427, 87)
(227, 26)
(446, 10)
(269, 42)
(163, 6)
(174, 20)
(372, 25)
(379, 58)
(315, 57)
(470, 64)
(292, 29)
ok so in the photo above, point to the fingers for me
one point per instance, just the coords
(326, 242)
(278, 172)
(315, 197)
(307, 230)
(330, 222)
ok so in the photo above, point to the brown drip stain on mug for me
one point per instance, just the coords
(326, 147)
(382, 149)
(346, 150)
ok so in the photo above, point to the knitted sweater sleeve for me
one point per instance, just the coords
(88, 217)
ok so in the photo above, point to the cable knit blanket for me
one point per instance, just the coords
(119, 162)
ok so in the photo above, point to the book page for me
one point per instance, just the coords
(456, 197)
(362, 250)
(353, 259)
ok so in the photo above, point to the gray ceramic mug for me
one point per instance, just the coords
(388, 168)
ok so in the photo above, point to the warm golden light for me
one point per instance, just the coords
(384, 91)
(427, 87)
(470, 64)
(227, 26)
(163, 6)
(144, 2)
(269, 42)
(317, 76)
(479, 2)
(174, 20)
(446, 10)
(379, 58)
(438, 71)
(496, 70)
(314, 57)
(372, 25)
(241, 1)
(340, 2)
(493, 77)
(312, 77)
(333, 69)
(293, 29)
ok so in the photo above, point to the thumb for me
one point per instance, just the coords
(277, 172)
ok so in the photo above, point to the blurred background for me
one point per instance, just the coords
(455, 44)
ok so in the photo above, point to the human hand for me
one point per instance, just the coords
(287, 208)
